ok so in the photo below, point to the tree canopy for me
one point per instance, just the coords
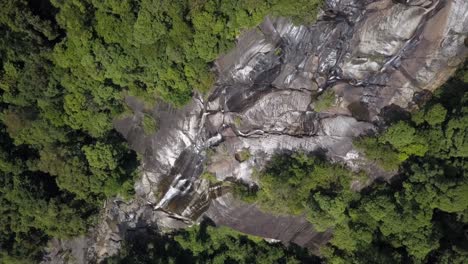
(206, 243)
(65, 68)
(419, 217)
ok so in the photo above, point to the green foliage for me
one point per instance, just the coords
(59, 158)
(301, 11)
(421, 214)
(149, 124)
(207, 244)
(384, 155)
(65, 68)
(278, 52)
(244, 192)
(154, 48)
(286, 183)
(437, 130)
(238, 121)
(415, 219)
(434, 115)
(399, 135)
(209, 177)
(243, 155)
(397, 144)
(325, 101)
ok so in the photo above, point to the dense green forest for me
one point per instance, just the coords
(421, 216)
(207, 244)
(65, 68)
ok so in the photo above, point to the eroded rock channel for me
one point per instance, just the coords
(376, 57)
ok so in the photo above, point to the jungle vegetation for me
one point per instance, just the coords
(420, 216)
(65, 68)
(206, 243)
(325, 101)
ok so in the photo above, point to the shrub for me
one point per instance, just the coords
(149, 124)
(325, 101)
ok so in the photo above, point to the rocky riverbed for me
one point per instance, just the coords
(378, 57)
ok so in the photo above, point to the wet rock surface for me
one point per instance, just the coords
(373, 55)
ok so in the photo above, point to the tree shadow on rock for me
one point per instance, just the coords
(394, 113)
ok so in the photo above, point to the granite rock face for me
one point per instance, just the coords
(376, 56)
